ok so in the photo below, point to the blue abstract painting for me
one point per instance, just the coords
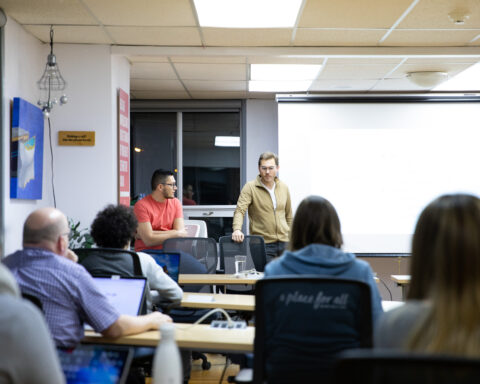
(26, 151)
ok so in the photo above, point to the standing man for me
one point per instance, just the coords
(267, 200)
(159, 215)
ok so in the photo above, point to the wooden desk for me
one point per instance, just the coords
(389, 305)
(210, 279)
(218, 300)
(198, 337)
(402, 281)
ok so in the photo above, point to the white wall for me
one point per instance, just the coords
(261, 132)
(85, 177)
(25, 58)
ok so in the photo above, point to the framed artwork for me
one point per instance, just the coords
(26, 151)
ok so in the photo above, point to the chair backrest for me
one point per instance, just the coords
(387, 366)
(302, 322)
(202, 227)
(109, 261)
(202, 249)
(252, 246)
(33, 299)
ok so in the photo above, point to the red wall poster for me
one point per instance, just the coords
(123, 147)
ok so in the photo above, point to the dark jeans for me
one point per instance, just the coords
(274, 250)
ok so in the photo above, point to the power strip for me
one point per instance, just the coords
(224, 324)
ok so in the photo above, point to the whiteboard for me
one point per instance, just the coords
(379, 164)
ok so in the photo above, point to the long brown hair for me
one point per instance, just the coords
(445, 269)
(316, 221)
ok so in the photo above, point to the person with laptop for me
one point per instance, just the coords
(27, 354)
(159, 215)
(66, 290)
(114, 227)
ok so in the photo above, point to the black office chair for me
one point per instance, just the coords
(396, 367)
(34, 300)
(202, 249)
(253, 247)
(109, 261)
(301, 323)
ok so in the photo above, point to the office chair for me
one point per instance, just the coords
(202, 249)
(34, 300)
(109, 261)
(397, 367)
(253, 247)
(302, 322)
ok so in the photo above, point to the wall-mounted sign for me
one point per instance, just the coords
(76, 138)
(123, 147)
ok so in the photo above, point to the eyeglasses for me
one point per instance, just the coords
(173, 185)
(265, 169)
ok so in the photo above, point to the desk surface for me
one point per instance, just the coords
(199, 336)
(218, 300)
(401, 279)
(210, 279)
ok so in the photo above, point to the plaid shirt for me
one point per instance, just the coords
(68, 294)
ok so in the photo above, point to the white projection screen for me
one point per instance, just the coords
(379, 163)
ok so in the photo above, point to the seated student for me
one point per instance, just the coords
(314, 248)
(27, 354)
(114, 227)
(441, 314)
(67, 291)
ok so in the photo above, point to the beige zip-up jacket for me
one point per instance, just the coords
(273, 225)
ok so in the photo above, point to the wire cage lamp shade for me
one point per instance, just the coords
(51, 84)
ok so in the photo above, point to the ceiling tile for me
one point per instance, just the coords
(152, 85)
(364, 60)
(211, 71)
(152, 71)
(148, 59)
(167, 13)
(159, 94)
(435, 14)
(261, 95)
(451, 68)
(352, 71)
(400, 84)
(247, 37)
(443, 60)
(352, 14)
(48, 12)
(209, 85)
(284, 60)
(217, 95)
(70, 34)
(155, 36)
(444, 38)
(326, 37)
(209, 59)
(342, 85)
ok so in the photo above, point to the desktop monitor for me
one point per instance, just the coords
(169, 261)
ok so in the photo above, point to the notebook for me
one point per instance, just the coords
(126, 294)
(95, 363)
(170, 262)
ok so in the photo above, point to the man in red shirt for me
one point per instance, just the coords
(159, 215)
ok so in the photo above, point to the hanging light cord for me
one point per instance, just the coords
(51, 160)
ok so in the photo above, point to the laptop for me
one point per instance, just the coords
(170, 262)
(126, 294)
(88, 363)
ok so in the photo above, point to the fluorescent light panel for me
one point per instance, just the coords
(227, 141)
(247, 13)
(282, 77)
(467, 80)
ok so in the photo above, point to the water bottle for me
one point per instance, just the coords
(167, 365)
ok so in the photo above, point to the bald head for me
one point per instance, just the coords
(43, 227)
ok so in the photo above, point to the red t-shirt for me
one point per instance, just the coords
(160, 215)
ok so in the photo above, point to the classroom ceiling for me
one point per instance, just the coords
(366, 46)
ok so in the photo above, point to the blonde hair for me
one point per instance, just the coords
(446, 271)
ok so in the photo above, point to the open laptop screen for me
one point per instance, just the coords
(95, 363)
(170, 262)
(126, 294)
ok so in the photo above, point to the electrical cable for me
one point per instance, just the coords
(386, 287)
(51, 161)
(227, 363)
(215, 310)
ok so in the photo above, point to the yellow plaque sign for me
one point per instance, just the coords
(76, 138)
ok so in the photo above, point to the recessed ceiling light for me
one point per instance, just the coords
(284, 71)
(227, 141)
(279, 86)
(247, 13)
(468, 80)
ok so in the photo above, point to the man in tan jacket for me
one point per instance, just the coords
(267, 200)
